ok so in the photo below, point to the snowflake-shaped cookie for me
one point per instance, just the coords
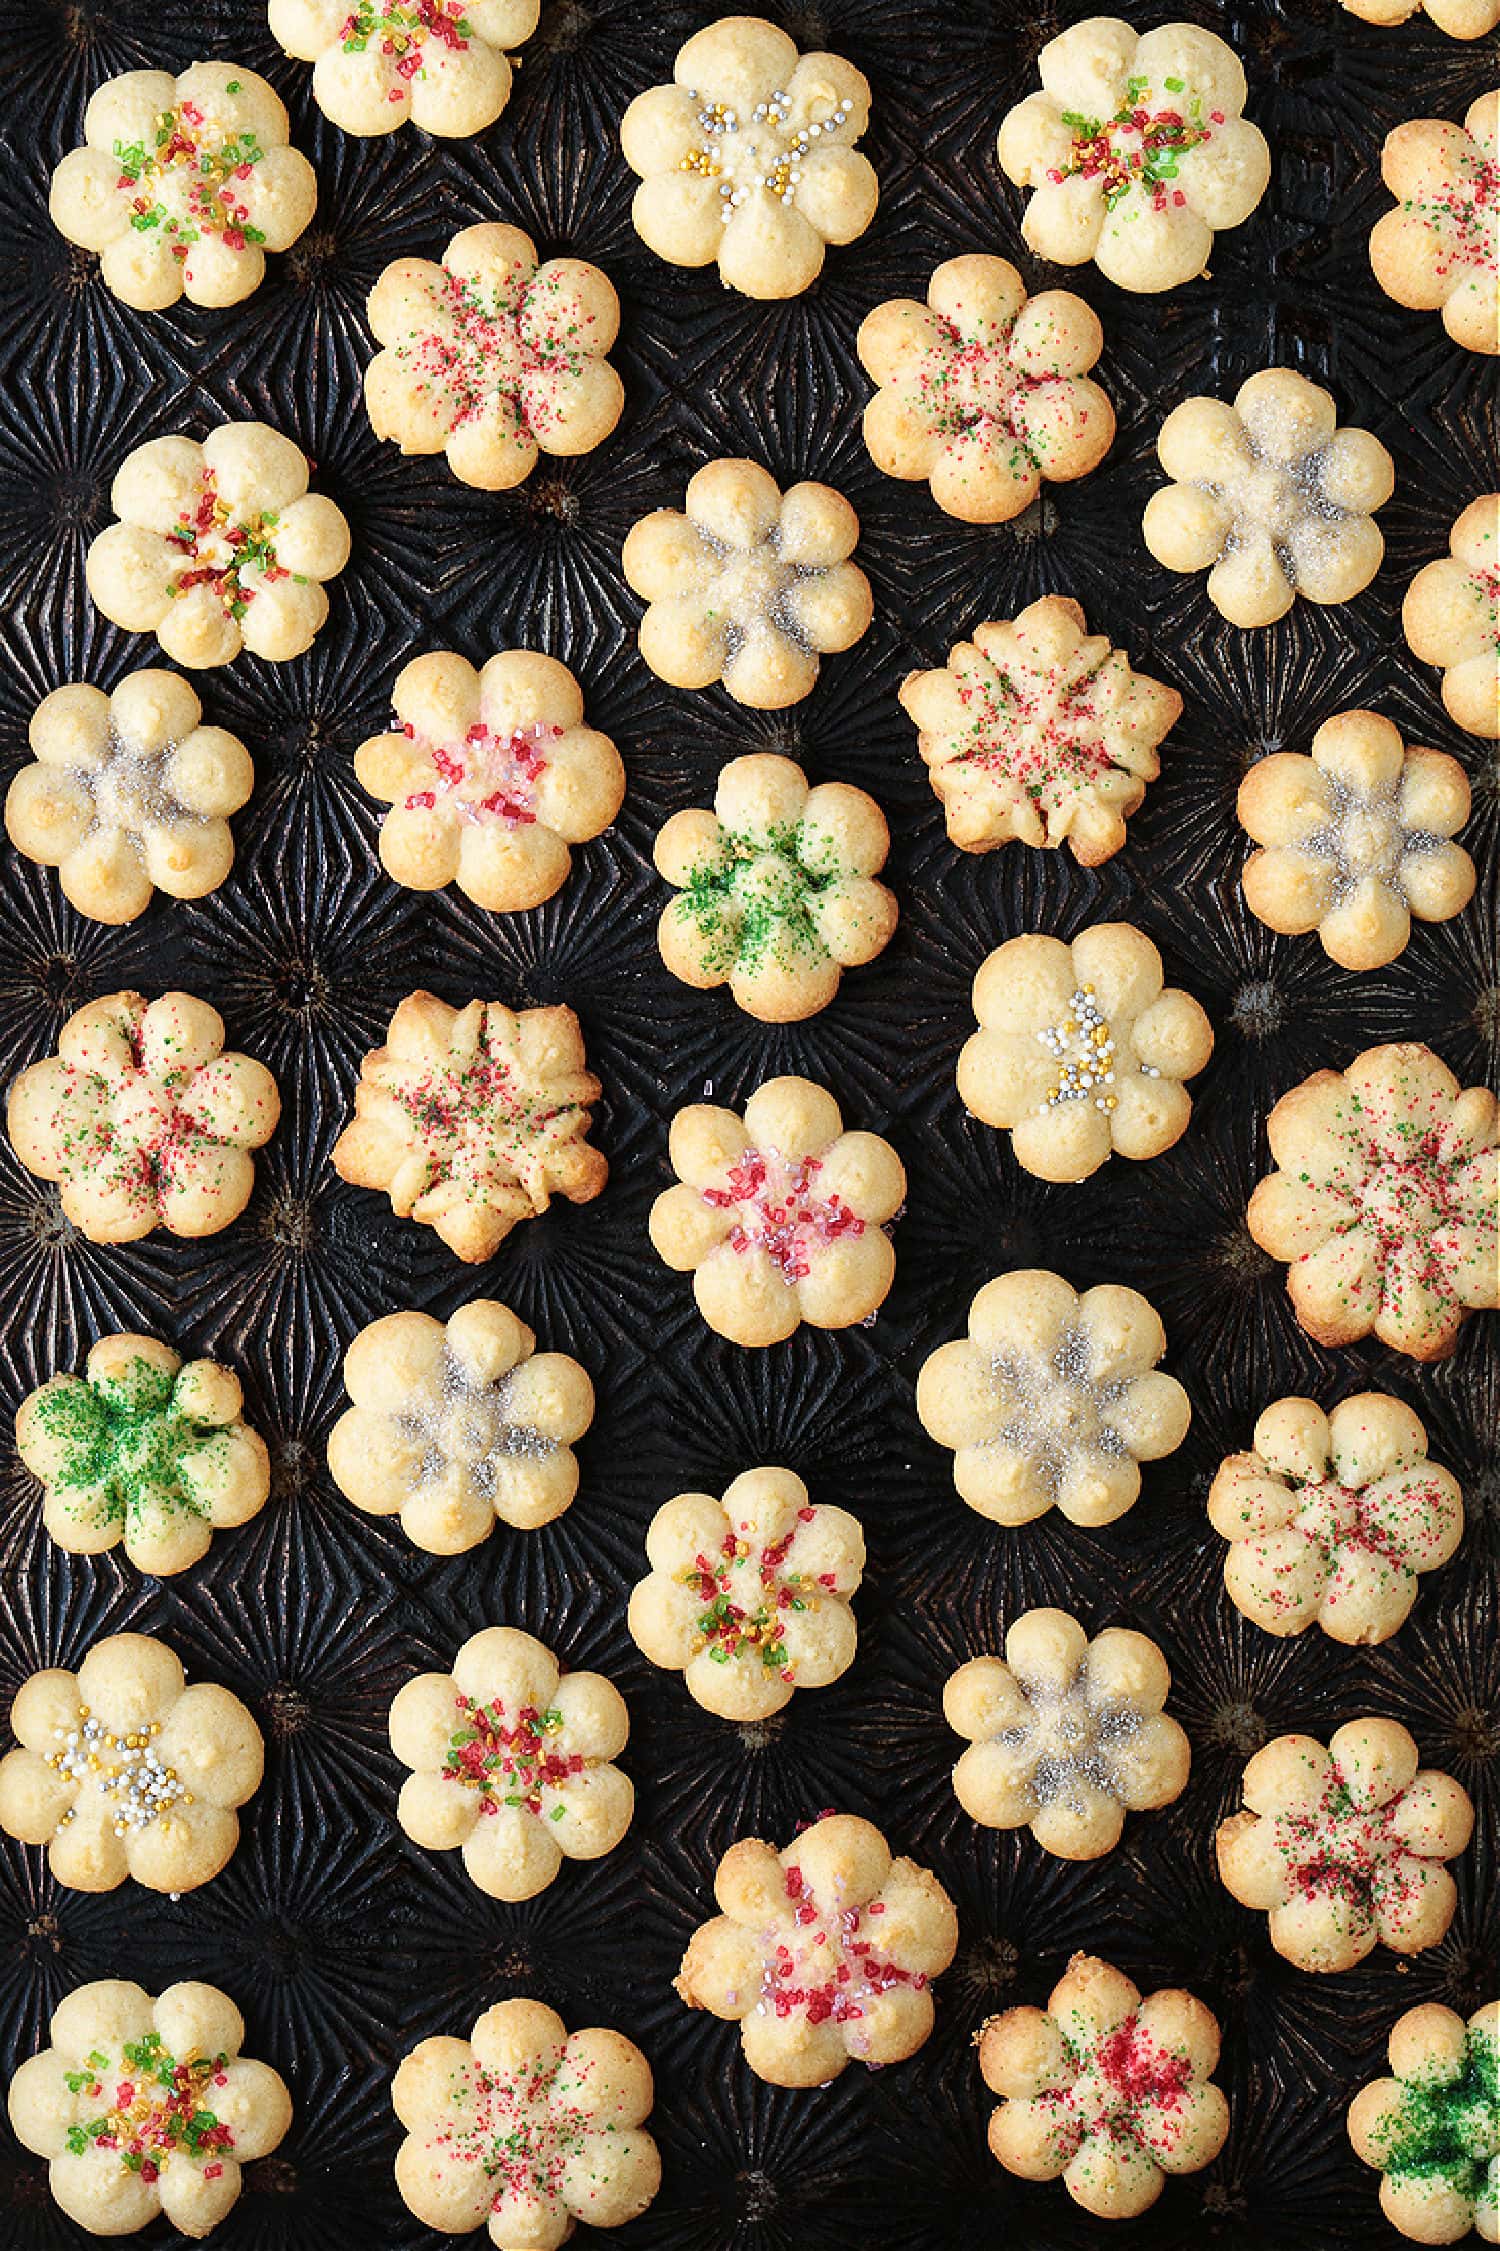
(1067, 1735)
(1461, 19)
(1109, 2091)
(1080, 1051)
(1451, 617)
(747, 160)
(823, 1953)
(750, 586)
(442, 63)
(143, 1119)
(458, 1427)
(1432, 2129)
(985, 392)
(473, 1119)
(1136, 149)
(1039, 730)
(123, 1770)
(184, 185)
(1386, 1206)
(491, 778)
(1343, 1848)
(779, 1216)
(1331, 1517)
(1439, 250)
(492, 357)
(748, 1597)
(1271, 498)
(146, 2108)
(777, 888)
(219, 547)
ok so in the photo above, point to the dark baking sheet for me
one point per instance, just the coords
(343, 1944)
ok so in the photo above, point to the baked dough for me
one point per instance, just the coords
(442, 63)
(1451, 618)
(1432, 2130)
(1439, 250)
(1461, 19)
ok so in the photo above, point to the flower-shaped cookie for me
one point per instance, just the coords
(128, 794)
(457, 1428)
(779, 1216)
(748, 1597)
(1080, 1051)
(1331, 1517)
(823, 1952)
(123, 1770)
(1439, 250)
(1109, 2091)
(1451, 617)
(510, 1760)
(492, 357)
(747, 160)
(1355, 839)
(1271, 498)
(1136, 149)
(143, 1119)
(1386, 1206)
(144, 1452)
(983, 392)
(777, 888)
(1039, 730)
(1461, 19)
(1432, 2130)
(490, 779)
(146, 2108)
(473, 1119)
(376, 63)
(750, 586)
(184, 185)
(1343, 1849)
(1067, 1736)
(219, 547)
(527, 2128)
(1053, 1400)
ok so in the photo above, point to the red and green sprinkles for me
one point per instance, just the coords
(514, 355)
(1127, 2087)
(400, 29)
(1041, 733)
(778, 1209)
(155, 2108)
(1138, 150)
(518, 2131)
(205, 178)
(747, 1593)
(508, 1762)
(214, 548)
(121, 1443)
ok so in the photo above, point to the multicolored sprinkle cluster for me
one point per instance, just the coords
(156, 2107)
(402, 28)
(125, 1769)
(1139, 147)
(217, 549)
(179, 156)
(779, 1211)
(773, 160)
(726, 1625)
(517, 2133)
(508, 1762)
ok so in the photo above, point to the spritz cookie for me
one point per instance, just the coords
(1432, 2129)
(983, 391)
(123, 1770)
(442, 63)
(1104, 2090)
(747, 159)
(143, 1119)
(1451, 618)
(1439, 250)
(219, 547)
(472, 1119)
(1461, 19)
(748, 1597)
(490, 779)
(751, 586)
(822, 1953)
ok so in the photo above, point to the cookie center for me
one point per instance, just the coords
(1067, 1741)
(1463, 215)
(490, 776)
(126, 1770)
(1447, 2130)
(516, 2132)
(490, 353)
(460, 1430)
(215, 548)
(1043, 732)
(506, 1760)
(747, 1593)
(155, 2108)
(122, 1454)
(1083, 1050)
(829, 1966)
(1056, 1409)
(779, 1210)
(187, 184)
(1123, 2075)
(1141, 146)
(763, 150)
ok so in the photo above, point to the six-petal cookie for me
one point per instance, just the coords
(442, 63)
(1432, 2129)
(1451, 617)
(1439, 250)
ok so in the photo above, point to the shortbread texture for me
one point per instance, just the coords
(493, 358)
(1038, 730)
(752, 586)
(1271, 497)
(525, 2129)
(1067, 1736)
(1105, 2090)
(1343, 1848)
(777, 891)
(779, 1216)
(458, 1426)
(1355, 839)
(1461, 19)
(1053, 1399)
(1136, 149)
(512, 1763)
(123, 1770)
(442, 63)
(1081, 1051)
(822, 1953)
(748, 1597)
(1331, 1517)
(1385, 1207)
(128, 794)
(747, 160)
(491, 776)
(1439, 250)
(183, 185)
(472, 1119)
(1432, 2129)
(1451, 618)
(145, 2108)
(984, 391)
(218, 547)
(143, 1119)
